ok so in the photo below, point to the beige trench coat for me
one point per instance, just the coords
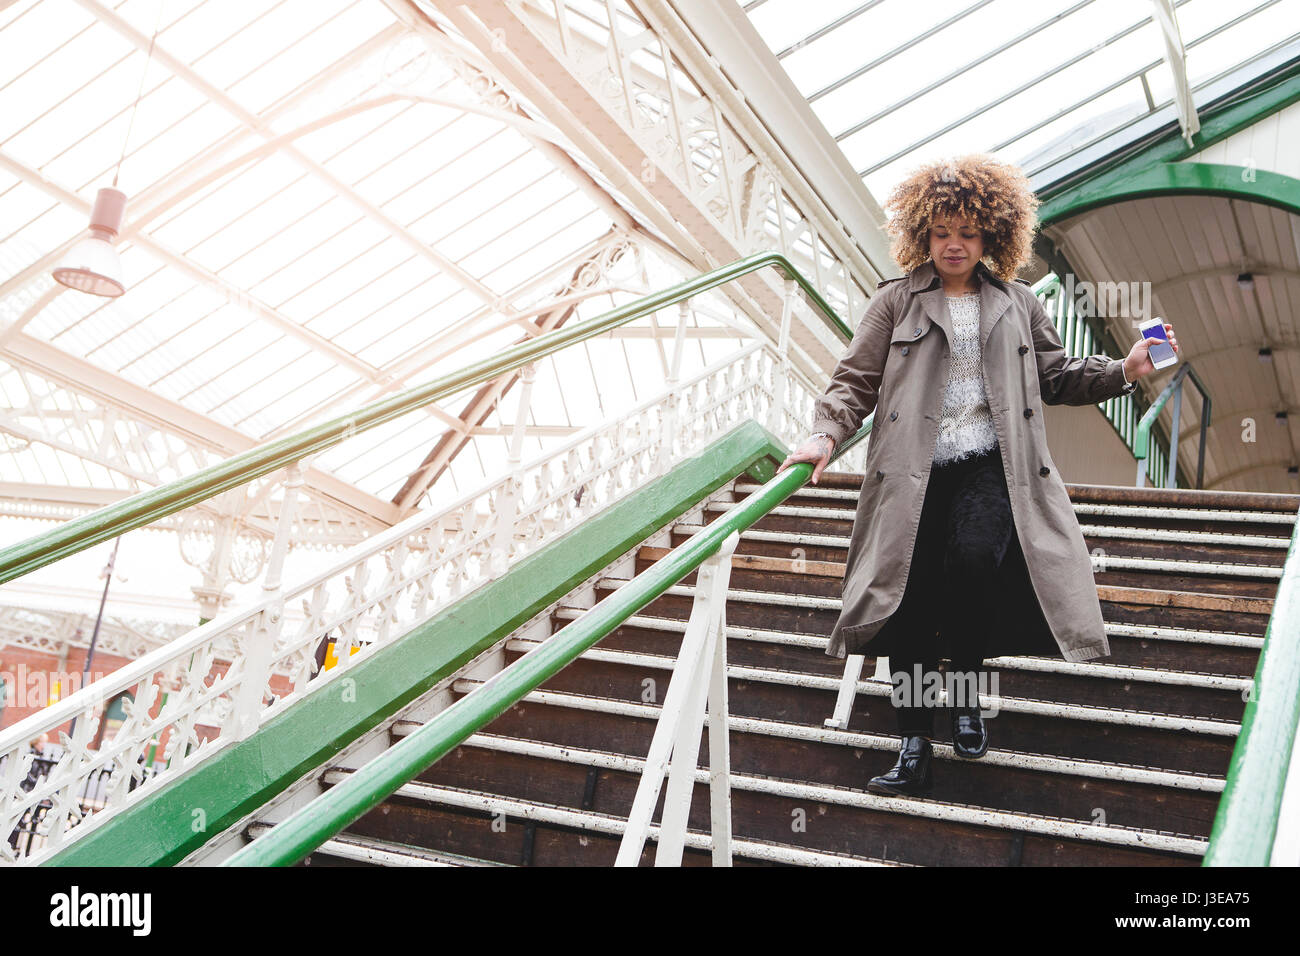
(897, 365)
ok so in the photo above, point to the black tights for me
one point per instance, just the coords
(965, 528)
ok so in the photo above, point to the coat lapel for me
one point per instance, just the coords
(994, 301)
(924, 283)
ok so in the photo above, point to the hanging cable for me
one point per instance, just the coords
(130, 123)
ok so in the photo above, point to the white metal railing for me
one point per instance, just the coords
(699, 677)
(848, 690)
(186, 696)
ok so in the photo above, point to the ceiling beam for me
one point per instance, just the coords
(1226, 272)
(172, 188)
(60, 598)
(1202, 358)
(112, 390)
(461, 59)
(464, 332)
(1264, 415)
(670, 331)
(1281, 464)
(530, 431)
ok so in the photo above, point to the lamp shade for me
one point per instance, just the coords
(92, 265)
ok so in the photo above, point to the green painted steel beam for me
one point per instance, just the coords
(305, 830)
(1245, 824)
(1183, 179)
(182, 816)
(1218, 121)
(148, 506)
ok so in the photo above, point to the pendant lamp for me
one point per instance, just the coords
(92, 265)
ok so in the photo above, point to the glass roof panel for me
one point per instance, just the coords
(44, 231)
(898, 84)
(275, 280)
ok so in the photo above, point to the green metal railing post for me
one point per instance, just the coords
(1142, 439)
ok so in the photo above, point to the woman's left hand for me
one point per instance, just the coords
(1138, 362)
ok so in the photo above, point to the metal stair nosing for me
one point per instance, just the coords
(787, 600)
(1092, 769)
(1107, 562)
(1113, 629)
(1172, 512)
(1117, 511)
(818, 681)
(349, 846)
(1027, 663)
(602, 823)
(970, 815)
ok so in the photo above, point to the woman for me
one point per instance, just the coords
(965, 544)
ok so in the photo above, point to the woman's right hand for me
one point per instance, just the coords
(817, 450)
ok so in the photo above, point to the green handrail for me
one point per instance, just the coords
(145, 507)
(1142, 438)
(305, 830)
(1245, 824)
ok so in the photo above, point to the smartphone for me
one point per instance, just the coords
(1162, 353)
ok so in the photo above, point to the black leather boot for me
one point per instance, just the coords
(910, 776)
(970, 737)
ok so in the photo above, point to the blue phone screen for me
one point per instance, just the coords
(1162, 351)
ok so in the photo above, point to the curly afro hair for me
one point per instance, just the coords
(993, 195)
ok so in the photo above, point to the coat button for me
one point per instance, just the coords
(880, 474)
(915, 333)
(1023, 349)
(1044, 471)
(893, 416)
(1029, 413)
(905, 349)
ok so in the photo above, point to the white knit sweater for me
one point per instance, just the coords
(965, 425)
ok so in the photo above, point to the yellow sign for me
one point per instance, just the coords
(331, 659)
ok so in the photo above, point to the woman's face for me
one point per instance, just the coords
(956, 245)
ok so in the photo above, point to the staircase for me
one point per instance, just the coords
(1115, 762)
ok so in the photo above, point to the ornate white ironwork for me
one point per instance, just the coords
(678, 140)
(687, 127)
(51, 632)
(224, 679)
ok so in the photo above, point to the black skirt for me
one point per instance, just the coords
(966, 521)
